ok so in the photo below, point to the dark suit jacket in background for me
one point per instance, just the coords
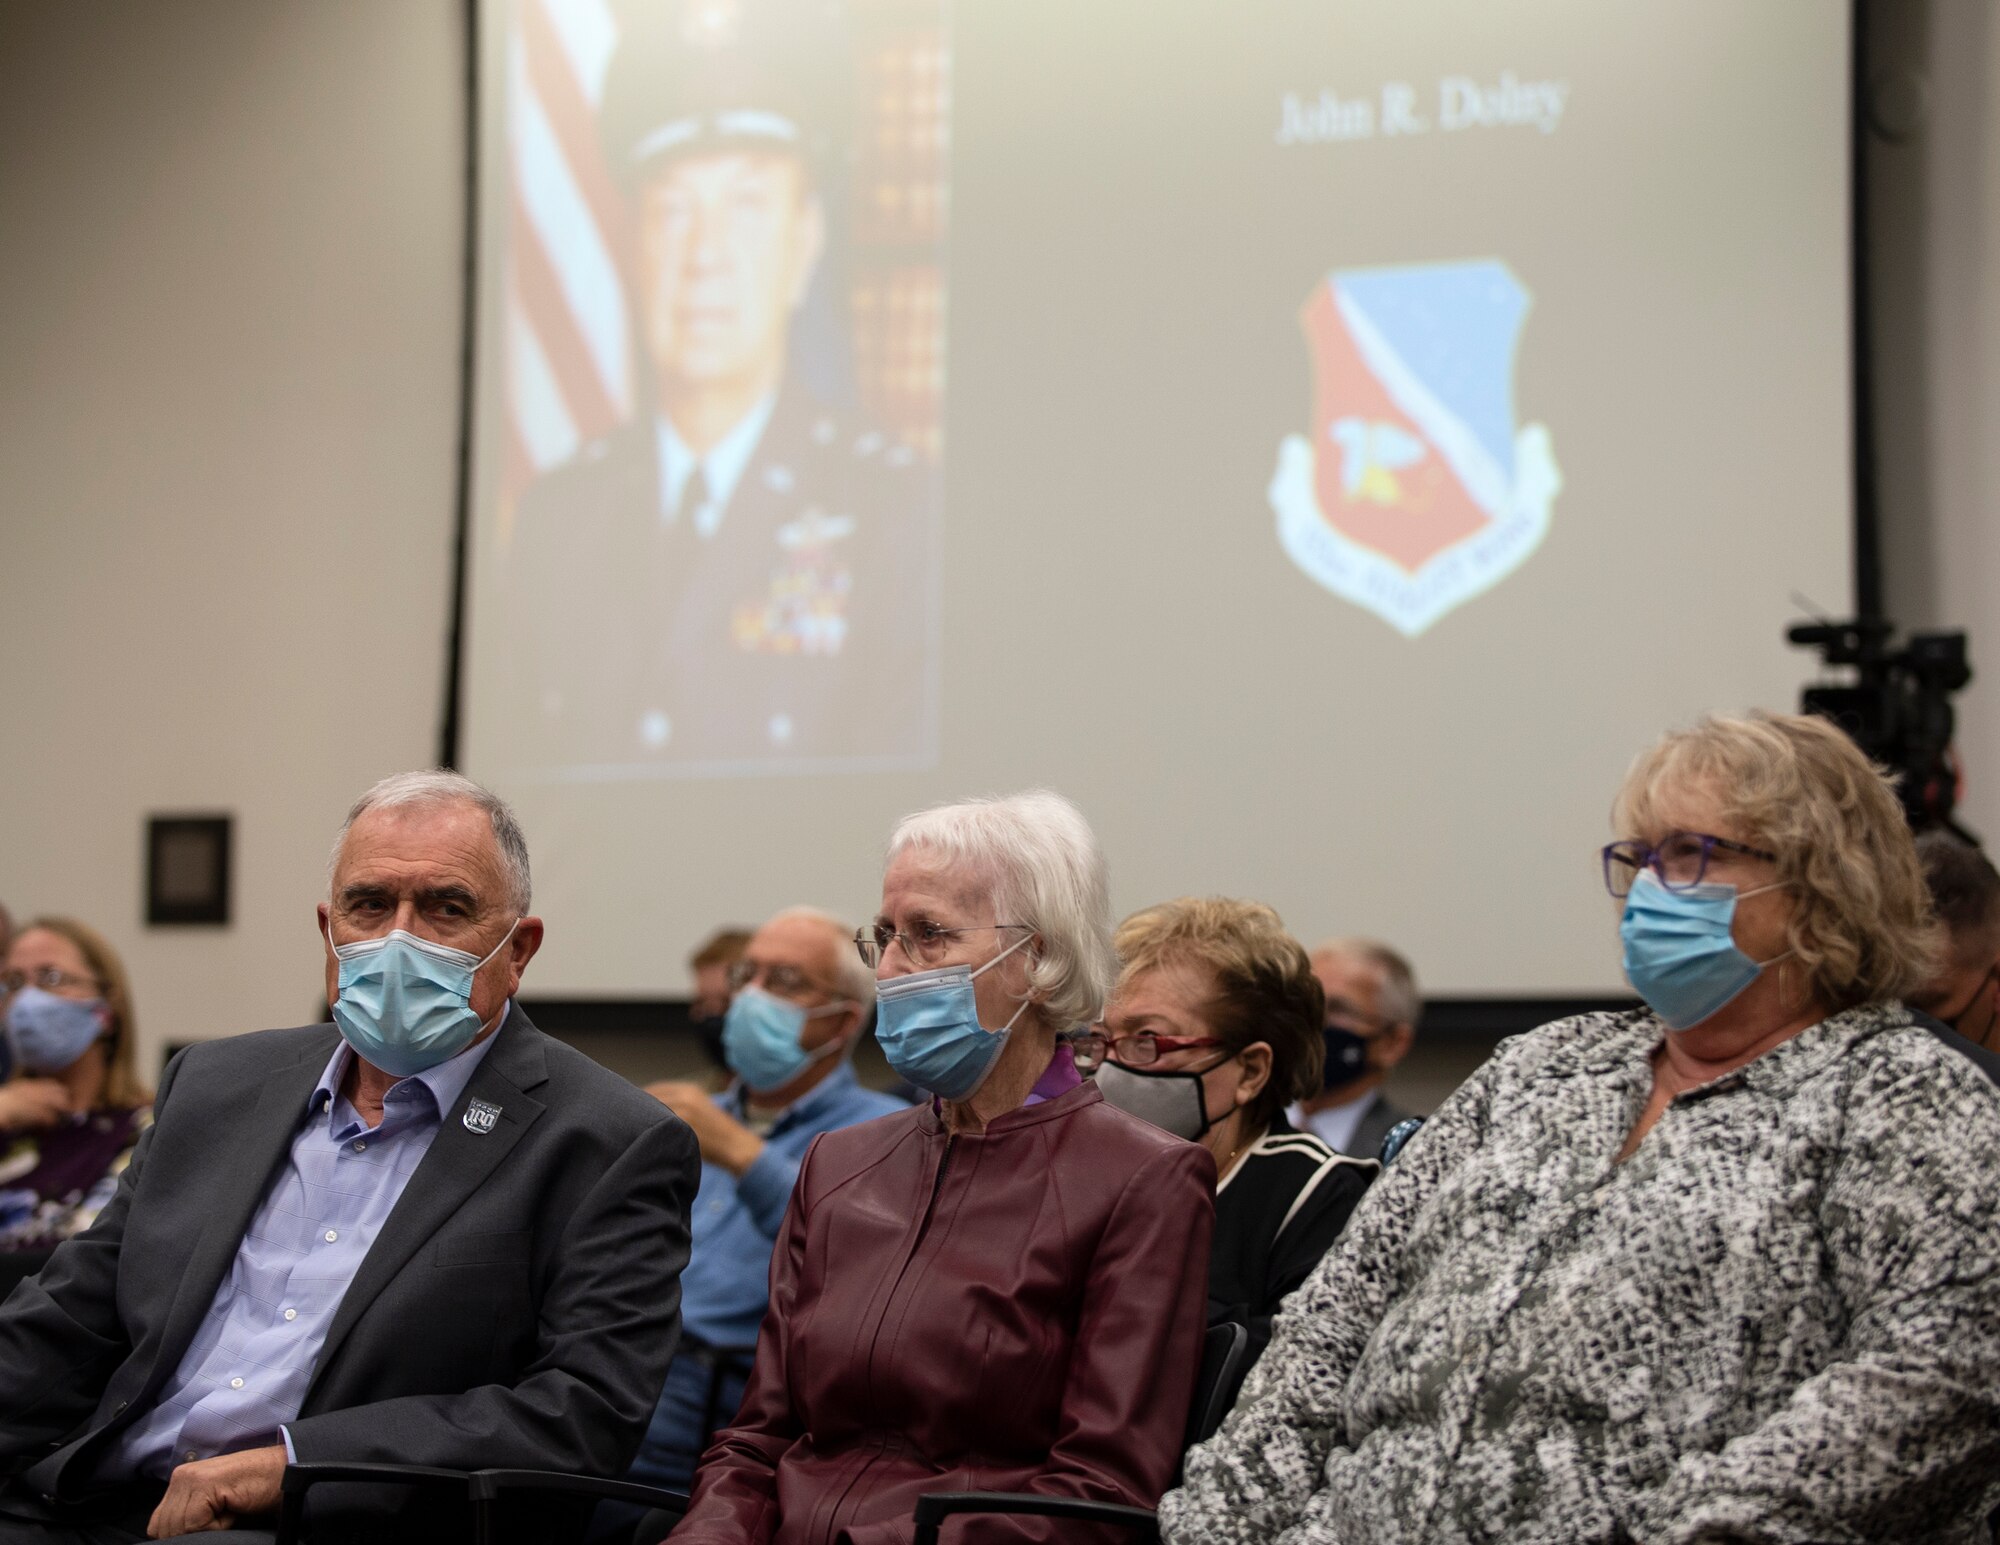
(519, 1307)
(1376, 1123)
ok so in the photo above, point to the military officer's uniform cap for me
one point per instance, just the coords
(697, 75)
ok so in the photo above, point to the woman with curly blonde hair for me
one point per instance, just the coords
(1725, 1267)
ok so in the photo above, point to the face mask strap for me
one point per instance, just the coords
(501, 945)
(1025, 939)
(838, 1044)
(1028, 938)
(1017, 1014)
(326, 932)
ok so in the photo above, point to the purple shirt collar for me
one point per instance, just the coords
(1057, 1079)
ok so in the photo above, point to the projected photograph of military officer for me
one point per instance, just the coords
(738, 577)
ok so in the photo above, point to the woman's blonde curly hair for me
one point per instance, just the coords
(1862, 928)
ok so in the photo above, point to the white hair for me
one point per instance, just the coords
(1402, 1003)
(851, 978)
(442, 786)
(1039, 856)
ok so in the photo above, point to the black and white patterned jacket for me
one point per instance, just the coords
(1778, 1321)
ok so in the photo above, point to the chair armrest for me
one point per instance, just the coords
(301, 1478)
(486, 1486)
(934, 1507)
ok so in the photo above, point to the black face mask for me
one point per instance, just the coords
(707, 1029)
(1346, 1059)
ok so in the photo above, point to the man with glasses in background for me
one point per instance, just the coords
(1964, 994)
(801, 1000)
(1372, 1008)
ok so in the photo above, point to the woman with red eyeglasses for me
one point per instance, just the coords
(1213, 1028)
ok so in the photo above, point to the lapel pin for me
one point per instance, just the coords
(480, 1116)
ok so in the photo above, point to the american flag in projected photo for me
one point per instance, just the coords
(566, 324)
(569, 365)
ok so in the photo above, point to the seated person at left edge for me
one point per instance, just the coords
(72, 1114)
(431, 1236)
(800, 1000)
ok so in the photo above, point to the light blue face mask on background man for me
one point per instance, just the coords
(1680, 955)
(760, 1037)
(405, 1003)
(928, 1027)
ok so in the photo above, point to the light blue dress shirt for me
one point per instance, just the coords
(247, 1370)
(726, 1285)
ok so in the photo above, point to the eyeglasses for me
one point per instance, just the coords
(924, 944)
(1342, 1015)
(1140, 1049)
(780, 980)
(48, 978)
(1678, 862)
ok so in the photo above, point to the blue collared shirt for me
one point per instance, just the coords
(247, 1370)
(736, 1219)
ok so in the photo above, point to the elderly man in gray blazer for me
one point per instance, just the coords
(426, 1234)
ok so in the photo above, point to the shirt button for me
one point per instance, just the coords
(191, 1454)
(359, 1146)
(235, 1383)
(332, 1235)
(291, 1314)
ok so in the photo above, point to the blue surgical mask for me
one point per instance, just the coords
(760, 1038)
(405, 1003)
(1680, 955)
(50, 1032)
(928, 1027)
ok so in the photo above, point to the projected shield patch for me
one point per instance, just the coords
(1416, 489)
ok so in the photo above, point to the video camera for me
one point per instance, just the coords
(1898, 708)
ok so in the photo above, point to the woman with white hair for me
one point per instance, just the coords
(1004, 1287)
(1722, 1268)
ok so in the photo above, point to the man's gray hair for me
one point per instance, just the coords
(851, 978)
(442, 786)
(1042, 862)
(1402, 1003)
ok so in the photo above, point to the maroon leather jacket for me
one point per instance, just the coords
(1019, 1309)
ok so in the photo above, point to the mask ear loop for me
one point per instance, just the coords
(839, 1045)
(1778, 959)
(484, 1027)
(1028, 938)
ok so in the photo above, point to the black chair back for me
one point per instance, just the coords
(1224, 1352)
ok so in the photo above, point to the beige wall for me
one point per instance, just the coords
(229, 324)
(229, 329)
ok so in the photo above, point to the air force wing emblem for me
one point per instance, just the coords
(480, 1116)
(1416, 490)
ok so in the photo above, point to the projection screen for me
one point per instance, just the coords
(1325, 440)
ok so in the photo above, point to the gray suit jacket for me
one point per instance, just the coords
(519, 1308)
(1375, 1124)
